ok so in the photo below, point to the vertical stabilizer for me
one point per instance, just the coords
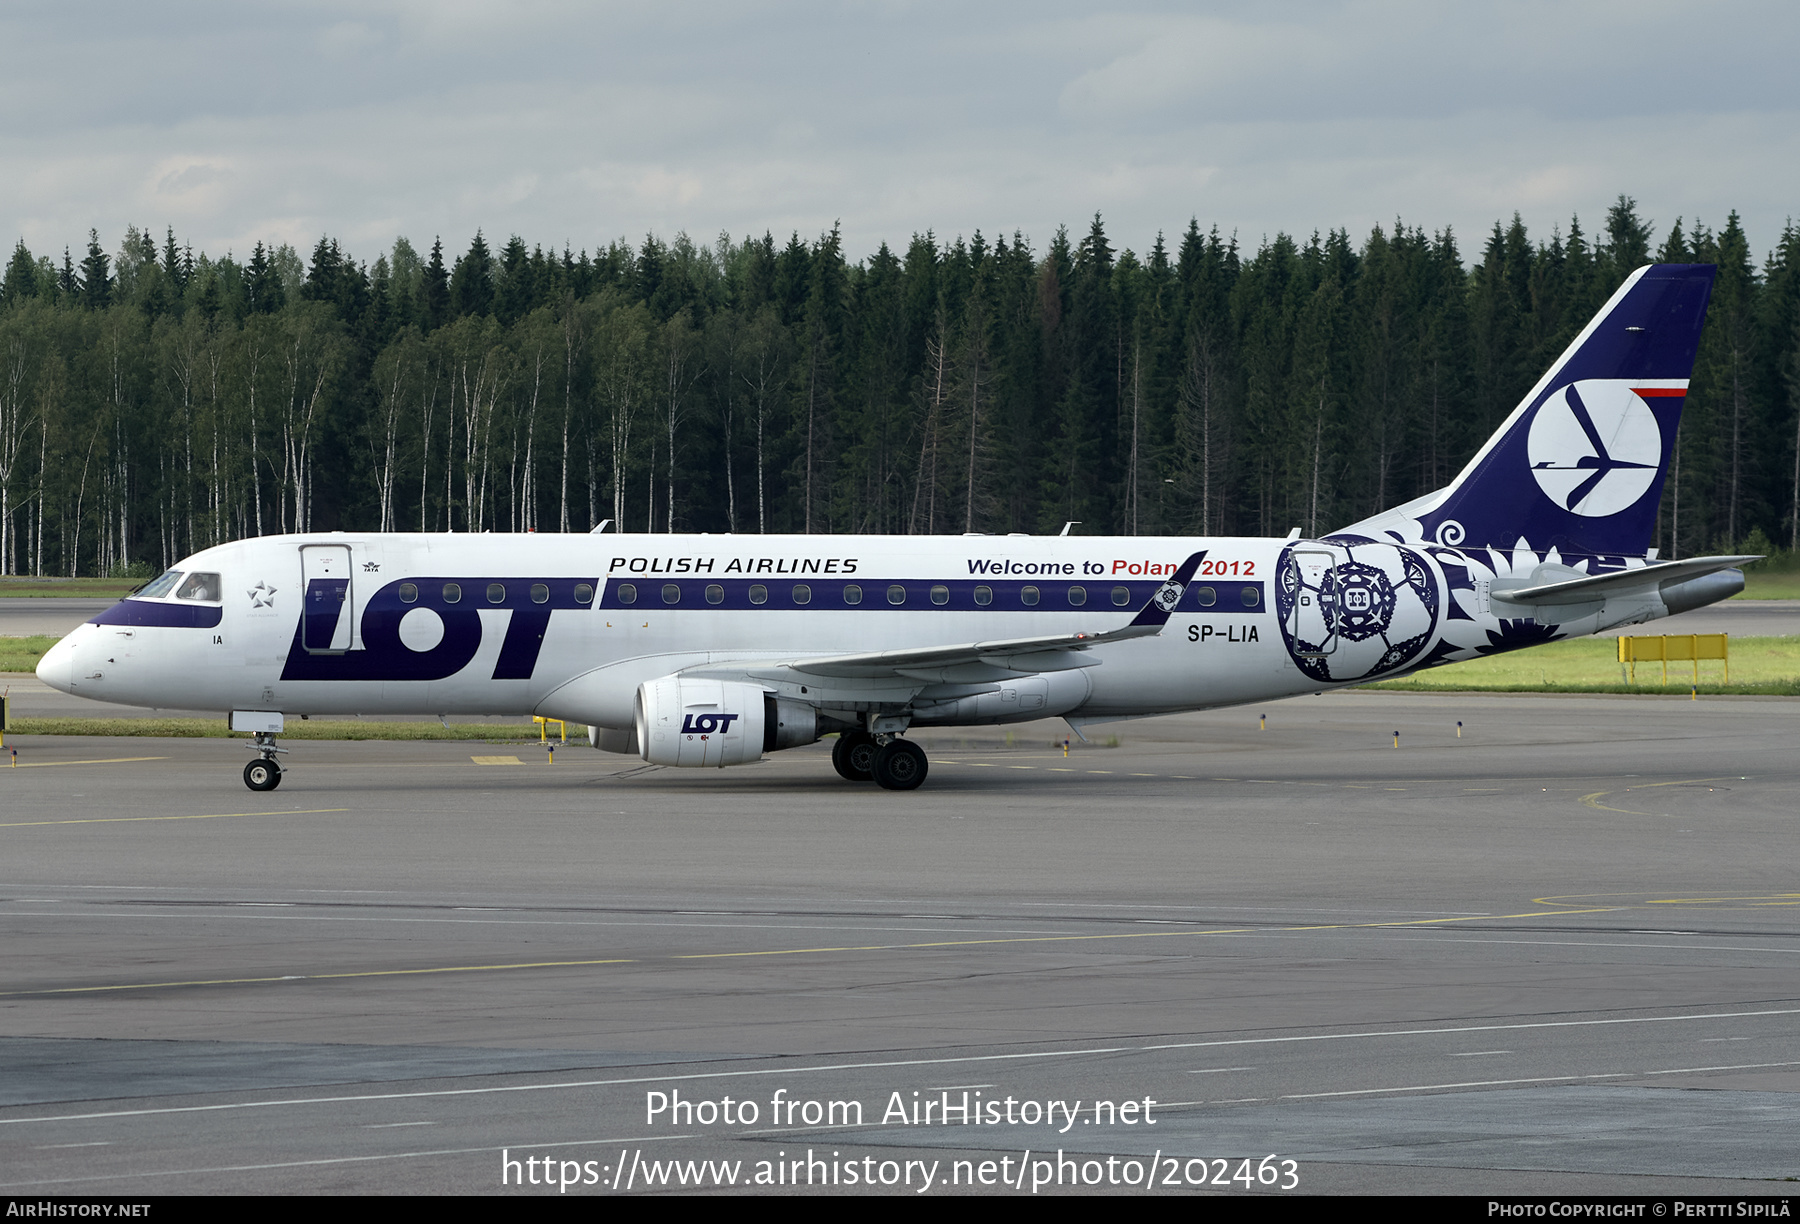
(1579, 465)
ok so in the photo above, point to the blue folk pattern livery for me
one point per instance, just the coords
(713, 650)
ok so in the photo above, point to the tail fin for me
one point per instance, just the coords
(1579, 464)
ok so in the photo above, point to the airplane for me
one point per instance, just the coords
(712, 650)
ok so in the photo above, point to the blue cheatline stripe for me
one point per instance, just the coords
(141, 613)
(1229, 595)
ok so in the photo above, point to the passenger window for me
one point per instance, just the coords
(1206, 597)
(802, 593)
(1028, 596)
(202, 587)
(671, 593)
(1251, 597)
(584, 592)
(540, 593)
(1077, 596)
(852, 594)
(759, 594)
(896, 594)
(940, 595)
(715, 594)
(626, 592)
(409, 592)
(1121, 596)
(984, 595)
(452, 592)
(496, 593)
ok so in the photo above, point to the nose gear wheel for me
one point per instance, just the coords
(262, 775)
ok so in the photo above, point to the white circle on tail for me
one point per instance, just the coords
(1594, 447)
(421, 630)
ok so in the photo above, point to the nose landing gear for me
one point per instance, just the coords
(264, 773)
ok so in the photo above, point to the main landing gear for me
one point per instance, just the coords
(895, 764)
(264, 773)
(854, 756)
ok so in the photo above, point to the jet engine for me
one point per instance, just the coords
(698, 722)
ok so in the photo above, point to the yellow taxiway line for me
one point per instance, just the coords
(27, 824)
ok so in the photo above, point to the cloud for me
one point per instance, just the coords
(349, 39)
(1190, 60)
(581, 122)
(189, 183)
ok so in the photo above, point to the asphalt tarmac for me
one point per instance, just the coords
(29, 617)
(1554, 955)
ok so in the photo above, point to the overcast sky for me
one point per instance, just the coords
(585, 122)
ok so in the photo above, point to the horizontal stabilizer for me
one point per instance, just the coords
(1617, 582)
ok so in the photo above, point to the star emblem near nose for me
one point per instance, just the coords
(262, 595)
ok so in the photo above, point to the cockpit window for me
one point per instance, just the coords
(199, 586)
(162, 586)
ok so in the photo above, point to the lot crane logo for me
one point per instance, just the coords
(1595, 447)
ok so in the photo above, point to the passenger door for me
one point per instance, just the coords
(1313, 619)
(327, 610)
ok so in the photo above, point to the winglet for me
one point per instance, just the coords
(1155, 614)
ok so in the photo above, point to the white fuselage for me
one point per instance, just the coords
(569, 626)
(253, 657)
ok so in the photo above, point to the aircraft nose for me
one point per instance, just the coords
(57, 667)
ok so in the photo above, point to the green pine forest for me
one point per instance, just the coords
(160, 400)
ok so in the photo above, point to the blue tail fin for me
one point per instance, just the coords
(1579, 464)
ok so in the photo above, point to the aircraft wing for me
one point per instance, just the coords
(1586, 588)
(975, 661)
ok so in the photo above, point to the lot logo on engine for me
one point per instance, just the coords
(708, 724)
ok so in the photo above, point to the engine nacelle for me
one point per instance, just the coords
(700, 723)
(609, 739)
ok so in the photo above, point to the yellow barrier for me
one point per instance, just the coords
(544, 726)
(1679, 647)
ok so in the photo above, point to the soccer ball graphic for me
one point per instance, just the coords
(1351, 610)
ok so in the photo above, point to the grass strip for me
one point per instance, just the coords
(1770, 584)
(21, 654)
(1760, 667)
(68, 588)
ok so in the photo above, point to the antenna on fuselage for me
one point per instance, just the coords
(604, 524)
(1069, 524)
